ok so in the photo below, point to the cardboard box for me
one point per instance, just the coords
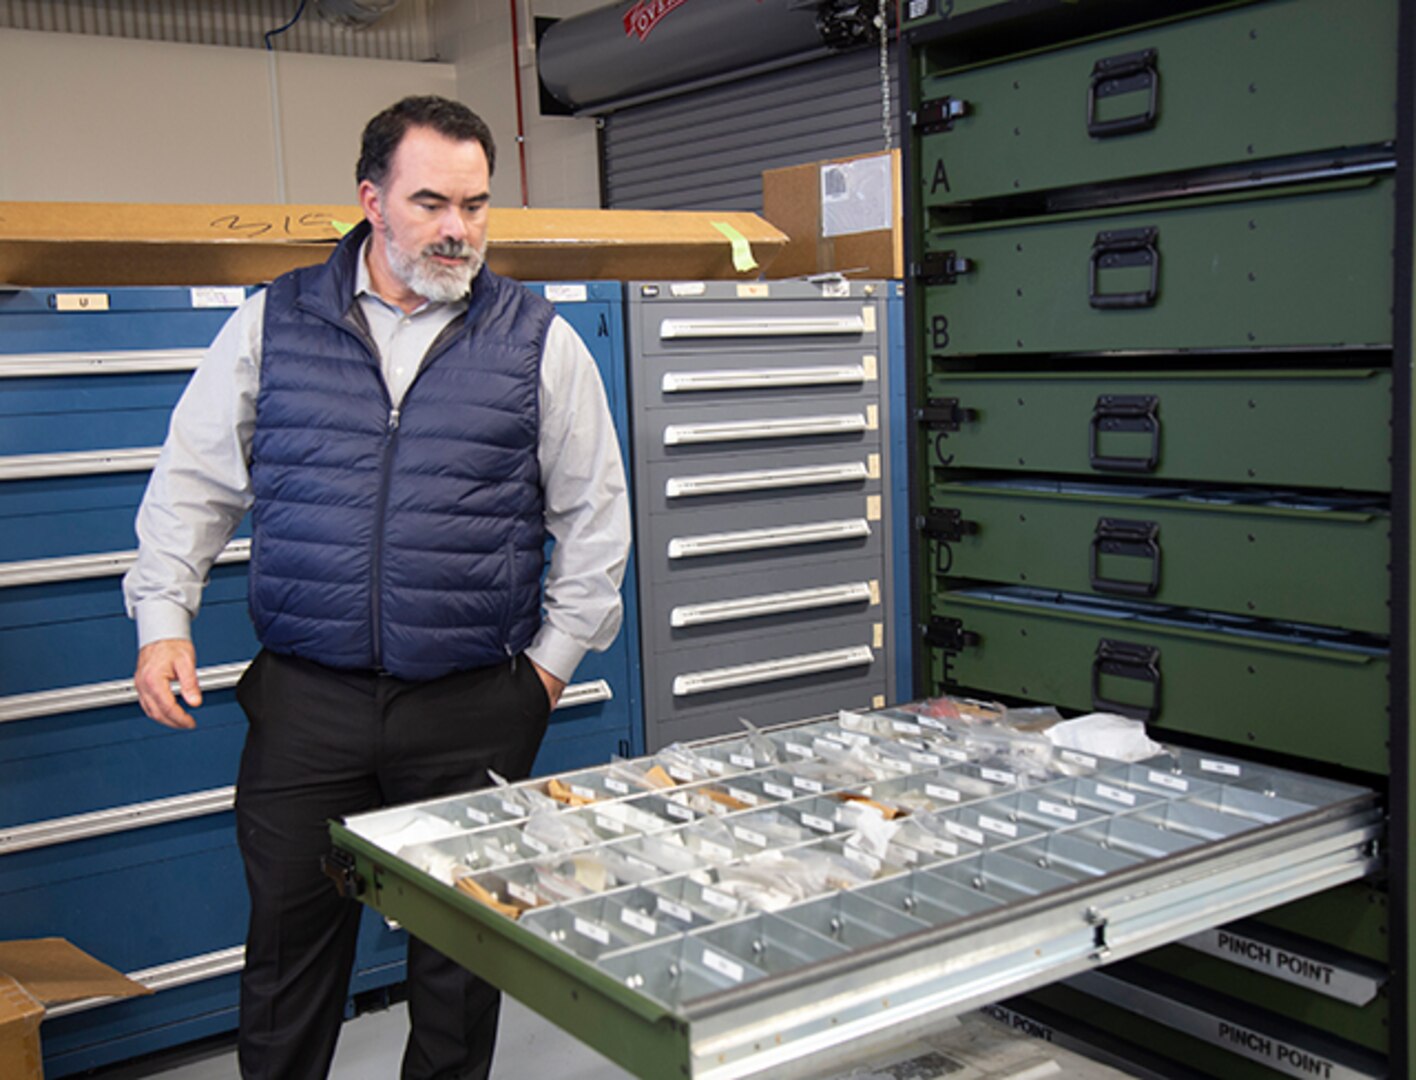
(98, 244)
(46, 971)
(842, 215)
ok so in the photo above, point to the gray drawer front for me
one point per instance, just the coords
(730, 378)
(763, 427)
(865, 694)
(724, 480)
(764, 324)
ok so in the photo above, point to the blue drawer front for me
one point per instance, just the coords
(159, 318)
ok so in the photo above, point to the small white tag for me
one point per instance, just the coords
(593, 932)
(1057, 810)
(719, 900)
(481, 817)
(674, 810)
(826, 745)
(926, 759)
(836, 288)
(1125, 798)
(954, 755)
(611, 824)
(1086, 761)
(938, 846)
(581, 792)
(820, 824)
(908, 856)
(904, 727)
(567, 294)
(807, 784)
(1002, 828)
(680, 774)
(222, 296)
(714, 766)
(939, 791)
(750, 836)
(511, 808)
(742, 761)
(963, 832)
(535, 844)
(714, 851)
(1165, 780)
(776, 790)
(619, 787)
(998, 776)
(94, 301)
(522, 893)
(722, 965)
(674, 911)
(1223, 768)
(930, 722)
(744, 796)
(687, 288)
(642, 923)
(798, 749)
(864, 858)
(643, 864)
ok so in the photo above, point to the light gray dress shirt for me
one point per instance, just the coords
(201, 487)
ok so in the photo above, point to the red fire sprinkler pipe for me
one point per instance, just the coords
(520, 114)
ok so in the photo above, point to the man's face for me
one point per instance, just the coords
(430, 218)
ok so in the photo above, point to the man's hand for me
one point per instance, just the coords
(554, 687)
(160, 664)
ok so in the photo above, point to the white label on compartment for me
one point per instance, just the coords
(904, 727)
(742, 761)
(722, 965)
(1223, 768)
(913, 744)
(744, 796)
(1116, 795)
(714, 766)
(588, 929)
(926, 759)
(1166, 780)
(776, 790)
(509, 807)
(798, 749)
(963, 832)
(807, 784)
(619, 787)
(918, 9)
(938, 846)
(995, 825)
(673, 910)
(643, 864)
(481, 817)
(522, 893)
(220, 296)
(687, 288)
(826, 744)
(80, 301)
(855, 738)
(998, 776)
(714, 851)
(930, 722)
(908, 856)
(749, 836)
(719, 900)
(642, 923)
(1057, 810)
(582, 792)
(820, 824)
(534, 844)
(567, 294)
(953, 754)
(1086, 761)
(864, 858)
(835, 288)
(939, 791)
(680, 774)
(674, 810)
(612, 824)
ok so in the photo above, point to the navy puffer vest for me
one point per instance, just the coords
(407, 541)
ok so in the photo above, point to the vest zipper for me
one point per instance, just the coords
(376, 562)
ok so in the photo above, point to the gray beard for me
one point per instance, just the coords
(440, 284)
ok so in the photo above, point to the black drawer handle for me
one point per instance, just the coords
(1119, 75)
(1134, 539)
(1126, 661)
(1125, 412)
(1118, 249)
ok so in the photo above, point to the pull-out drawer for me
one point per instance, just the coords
(1300, 268)
(1291, 689)
(728, 480)
(1151, 102)
(768, 317)
(1271, 555)
(1323, 429)
(693, 379)
(750, 958)
(846, 422)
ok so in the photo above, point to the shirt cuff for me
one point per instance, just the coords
(159, 619)
(557, 652)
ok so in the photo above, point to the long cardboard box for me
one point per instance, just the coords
(110, 244)
(842, 216)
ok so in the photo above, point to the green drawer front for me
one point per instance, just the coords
(1315, 701)
(1325, 429)
(1298, 562)
(1241, 86)
(1298, 269)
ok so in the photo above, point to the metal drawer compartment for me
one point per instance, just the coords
(692, 379)
(1223, 273)
(710, 543)
(728, 479)
(846, 422)
(1288, 688)
(722, 969)
(1319, 428)
(1150, 102)
(1272, 555)
(780, 316)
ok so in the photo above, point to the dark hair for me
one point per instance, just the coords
(384, 132)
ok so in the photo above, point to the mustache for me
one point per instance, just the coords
(451, 249)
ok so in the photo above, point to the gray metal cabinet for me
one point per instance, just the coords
(760, 461)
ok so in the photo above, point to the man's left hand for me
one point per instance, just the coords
(554, 687)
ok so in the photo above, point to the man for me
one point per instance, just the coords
(406, 428)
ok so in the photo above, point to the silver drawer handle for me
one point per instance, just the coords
(586, 693)
(683, 434)
(761, 378)
(116, 819)
(678, 329)
(764, 479)
(100, 564)
(29, 365)
(749, 607)
(101, 695)
(702, 682)
(167, 976)
(820, 532)
(80, 463)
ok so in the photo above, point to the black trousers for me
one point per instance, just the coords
(324, 743)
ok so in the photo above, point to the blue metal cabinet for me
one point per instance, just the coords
(898, 497)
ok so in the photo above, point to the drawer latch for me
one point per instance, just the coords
(941, 268)
(949, 634)
(1126, 660)
(947, 525)
(939, 114)
(944, 414)
(341, 868)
